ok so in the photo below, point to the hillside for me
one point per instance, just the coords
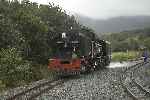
(27, 33)
(116, 24)
(129, 40)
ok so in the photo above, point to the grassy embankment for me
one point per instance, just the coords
(40, 72)
(125, 56)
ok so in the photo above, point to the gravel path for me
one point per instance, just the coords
(100, 85)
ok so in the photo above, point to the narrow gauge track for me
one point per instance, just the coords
(133, 88)
(31, 93)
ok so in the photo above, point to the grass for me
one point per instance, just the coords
(2, 86)
(124, 56)
(46, 73)
(40, 72)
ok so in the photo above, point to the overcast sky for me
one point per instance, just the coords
(103, 9)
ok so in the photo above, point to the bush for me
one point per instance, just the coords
(13, 69)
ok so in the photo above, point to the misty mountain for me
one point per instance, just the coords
(117, 24)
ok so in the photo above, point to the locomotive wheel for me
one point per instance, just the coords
(96, 65)
(83, 68)
(92, 68)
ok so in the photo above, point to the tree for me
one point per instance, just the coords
(13, 69)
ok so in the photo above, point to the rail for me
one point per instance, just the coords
(129, 73)
(31, 93)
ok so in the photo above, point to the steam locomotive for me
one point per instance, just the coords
(77, 53)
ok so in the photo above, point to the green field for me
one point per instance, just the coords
(125, 56)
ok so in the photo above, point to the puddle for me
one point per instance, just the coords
(122, 64)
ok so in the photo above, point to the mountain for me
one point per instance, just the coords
(116, 24)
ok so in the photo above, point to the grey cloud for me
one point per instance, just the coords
(105, 8)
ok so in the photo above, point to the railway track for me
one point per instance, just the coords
(132, 87)
(31, 93)
(137, 91)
